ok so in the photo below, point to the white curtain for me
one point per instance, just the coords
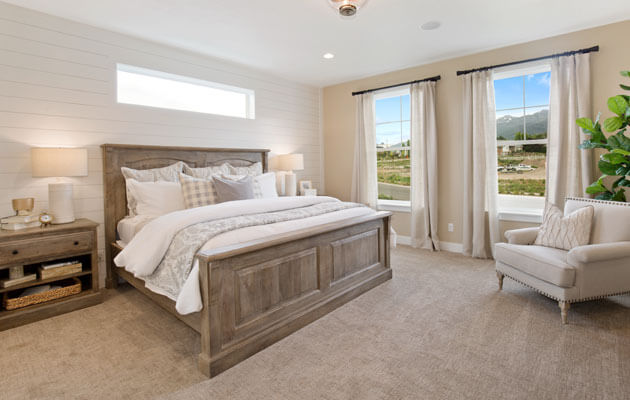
(568, 168)
(424, 171)
(364, 178)
(480, 189)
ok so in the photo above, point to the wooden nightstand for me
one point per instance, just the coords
(31, 247)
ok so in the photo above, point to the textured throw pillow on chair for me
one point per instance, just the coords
(565, 232)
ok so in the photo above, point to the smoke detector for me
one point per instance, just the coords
(347, 8)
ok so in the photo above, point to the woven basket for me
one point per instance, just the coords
(69, 287)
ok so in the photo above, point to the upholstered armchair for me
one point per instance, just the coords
(597, 270)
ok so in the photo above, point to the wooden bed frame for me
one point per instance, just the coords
(259, 292)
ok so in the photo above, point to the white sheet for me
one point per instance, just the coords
(128, 227)
(143, 254)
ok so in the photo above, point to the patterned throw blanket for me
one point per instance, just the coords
(176, 265)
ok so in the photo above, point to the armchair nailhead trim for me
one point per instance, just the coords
(568, 301)
(614, 203)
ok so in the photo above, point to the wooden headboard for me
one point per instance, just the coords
(116, 156)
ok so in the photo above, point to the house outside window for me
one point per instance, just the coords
(393, 145)
(522, 112)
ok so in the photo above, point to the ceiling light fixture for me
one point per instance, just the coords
(347, 8)
(431, 25)
(329, 56)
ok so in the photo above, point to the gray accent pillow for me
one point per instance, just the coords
(229, 190)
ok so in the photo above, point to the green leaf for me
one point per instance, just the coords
(613, 123)
(614, 158)
(617, 104)
(625, 73)
(607, 168)
(622, 171)
(624, 87)
(624, 142)
(619, 196)
(596, 187)
(617, 182)
(613, 142)
(624, 182)
(622, 152)
(585, 123)
(604, 196)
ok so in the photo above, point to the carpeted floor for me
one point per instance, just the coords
(438, 330)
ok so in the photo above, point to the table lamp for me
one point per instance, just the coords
(290, 163)
(59, 162)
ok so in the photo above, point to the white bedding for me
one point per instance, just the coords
(142, 255)
(128, 227)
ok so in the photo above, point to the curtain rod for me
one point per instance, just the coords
(567, 53)
(433, 78)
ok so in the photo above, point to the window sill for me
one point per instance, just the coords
(521, 215)
(394, 205)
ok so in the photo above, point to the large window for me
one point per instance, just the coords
(393, 146)
(151, 88)
(522, 108)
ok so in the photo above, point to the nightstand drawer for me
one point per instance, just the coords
(20, 250)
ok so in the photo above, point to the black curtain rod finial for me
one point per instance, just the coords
(433, 78)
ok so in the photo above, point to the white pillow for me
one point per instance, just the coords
(207, 172)
(156, 198)
(251, 170)
(264, 185)
(168, 174)
(565, 232)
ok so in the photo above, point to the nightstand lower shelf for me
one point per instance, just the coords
(11, 319)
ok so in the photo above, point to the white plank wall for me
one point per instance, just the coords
(57, 88)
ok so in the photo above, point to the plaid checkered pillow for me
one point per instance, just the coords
(197, 192)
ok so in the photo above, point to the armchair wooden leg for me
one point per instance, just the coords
(500, 276)
(564, 308)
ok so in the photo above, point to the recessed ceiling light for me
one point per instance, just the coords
(431, 25)
(329, 56)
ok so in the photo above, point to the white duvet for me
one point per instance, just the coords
(143, 254)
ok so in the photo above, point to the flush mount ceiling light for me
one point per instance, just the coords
(329, 56)
(347, 8)
(431, 25)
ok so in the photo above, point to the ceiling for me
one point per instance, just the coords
(289, 37)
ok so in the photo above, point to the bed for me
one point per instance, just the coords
(254, 293)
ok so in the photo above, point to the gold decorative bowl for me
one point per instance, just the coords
(23, 206)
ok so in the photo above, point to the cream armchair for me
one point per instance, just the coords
(597, 270)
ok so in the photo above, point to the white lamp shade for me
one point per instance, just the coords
(291, 162)
(58, 162)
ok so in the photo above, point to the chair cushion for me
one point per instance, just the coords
(545, 263)
(606, 227)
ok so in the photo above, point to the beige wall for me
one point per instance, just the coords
(339, 115)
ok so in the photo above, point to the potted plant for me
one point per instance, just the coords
(616, 161)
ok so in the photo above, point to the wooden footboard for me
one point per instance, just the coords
(255, 294)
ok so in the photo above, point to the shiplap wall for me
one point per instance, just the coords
(58, 88)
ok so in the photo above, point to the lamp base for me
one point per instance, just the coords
(60, 203)
(290, 184)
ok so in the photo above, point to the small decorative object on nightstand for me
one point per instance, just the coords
(304, 186)
(70, 283)
(290, 163)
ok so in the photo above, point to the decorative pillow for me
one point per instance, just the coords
(207, 172)
(167, 174)
(156, 198)
(264, 185)
(567, 232)
(251, 170)
(230, 190)
(197, 192)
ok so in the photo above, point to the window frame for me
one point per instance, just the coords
(383, 204)
(250, 95)
(516, 207)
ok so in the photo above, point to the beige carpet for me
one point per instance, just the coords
(438, 330)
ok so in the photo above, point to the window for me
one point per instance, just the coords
(522, 109)
(150, 88)
(392, 114)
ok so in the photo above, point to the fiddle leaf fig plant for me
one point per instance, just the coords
(616, 161)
